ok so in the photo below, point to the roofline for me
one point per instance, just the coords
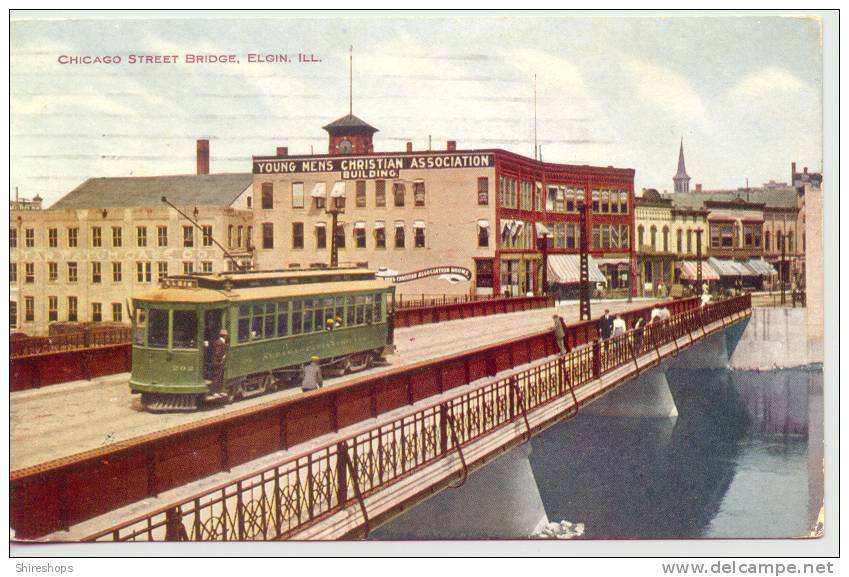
(496, 151)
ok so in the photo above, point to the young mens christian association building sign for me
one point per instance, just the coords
(373, 167)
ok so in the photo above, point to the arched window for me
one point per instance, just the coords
(689, 240)
(767, 246)
(640, 235)
(654, 237)
(665, 239)
(790, 241)
(680, 240)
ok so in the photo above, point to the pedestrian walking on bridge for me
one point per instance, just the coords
(312, 378)
(560, 333)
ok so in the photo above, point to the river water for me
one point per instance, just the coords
(742, 459)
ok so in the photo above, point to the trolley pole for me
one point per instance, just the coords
(586, 313)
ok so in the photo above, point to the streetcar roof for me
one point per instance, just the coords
(204, 296)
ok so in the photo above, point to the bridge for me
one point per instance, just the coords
(365, 472)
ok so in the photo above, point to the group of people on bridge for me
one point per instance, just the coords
(610, 326)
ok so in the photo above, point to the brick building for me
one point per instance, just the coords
(484, 210)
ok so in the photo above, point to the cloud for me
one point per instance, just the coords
(664, 89)
(766, 83)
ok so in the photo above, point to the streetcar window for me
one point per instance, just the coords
(270, 308)
(244, 330)
(318, 317)
(329, 317)
(141, 324)
(360, 312)
(340, 310)
(185, 330)
(256, 325)
(282, 322)
(244, 311)
(378, 301)
(157, 332)
(349, 312)
(257, 310)
(269, 325)
(308, 321)
(296, 317)
(369, 309)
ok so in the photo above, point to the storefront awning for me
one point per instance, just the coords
(566, 269)
(729, 268)
(542, 229)
(419, 224)
(690, 271)
(612, 261)
(319, 190)
(338, 190)
(760, 267)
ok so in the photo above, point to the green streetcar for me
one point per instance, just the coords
(276, 321)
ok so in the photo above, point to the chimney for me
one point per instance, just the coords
(698, 187)
(805, 170)
(203, 156)
(452, 145)
(409, 147)
(282, 151)
(792, 170)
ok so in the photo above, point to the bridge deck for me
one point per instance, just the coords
(340, 488)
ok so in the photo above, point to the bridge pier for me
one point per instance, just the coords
(647, 396)
(499, 501)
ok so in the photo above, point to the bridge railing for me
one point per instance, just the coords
(287, 497)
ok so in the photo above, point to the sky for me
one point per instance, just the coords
(743, 92)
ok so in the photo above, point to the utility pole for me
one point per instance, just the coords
(586, 313)
(699, 258)
(334, 211)
(351, 81)
(544, 247)
(784, 268)
(536, 149)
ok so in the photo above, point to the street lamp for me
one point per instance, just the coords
(585, 268)
(335, 208)
(542, 244)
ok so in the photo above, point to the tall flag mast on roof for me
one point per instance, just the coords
(351, 80)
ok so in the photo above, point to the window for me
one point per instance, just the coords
(162, 235)
(143, 273)
(596, 196)
(507, 192)
(340, 237)
(641, 236)
(73, 237)
(665, 239)
(483, 273)
(13, 272)
(117, 273)
(721, 235)
(767, 245)
(249, 238)
(29, 309)
(790, 241)
(399, 234)
(161, 269)
(267, 195)
(206, 237)
(361, 194)
(239, 234)
(230, 236)
(52, 271)
(516, 234)
(615, 236)
(380, 234)
(380, 193)
(297, 235)
(398, 192)
(360, 234)
(141, 236)
(96, 236)
(483, 233)
(538, 201)
(319, 194)
(13, 239)
(96, 312)
(116, 236)
(29, 237)
(419, 230)
(72, 272)
(605, 200)
(267, 235)
(689, 240)
(185, 330)
(157, 328)
(95, 273)
(680, 240)
(188, 236)
(53, 237)
(52, 309)
(72, 309)
(623, 202)
(526, 198)
(297, 195)
(206, 266)
(419, 193)
(752, 235)
(117, 312)
(13, 314)
(320, 235)
(249, 201)
(188, 267)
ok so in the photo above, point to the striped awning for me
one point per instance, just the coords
(729, 268)
(761, 267)
(566, 269)
(612, 261)
(690, 271)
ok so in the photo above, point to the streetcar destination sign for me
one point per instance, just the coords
(373, 167)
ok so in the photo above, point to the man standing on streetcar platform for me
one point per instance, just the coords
(220, 348)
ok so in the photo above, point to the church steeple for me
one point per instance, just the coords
(681, 180)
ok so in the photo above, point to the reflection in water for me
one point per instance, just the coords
(735, 463)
